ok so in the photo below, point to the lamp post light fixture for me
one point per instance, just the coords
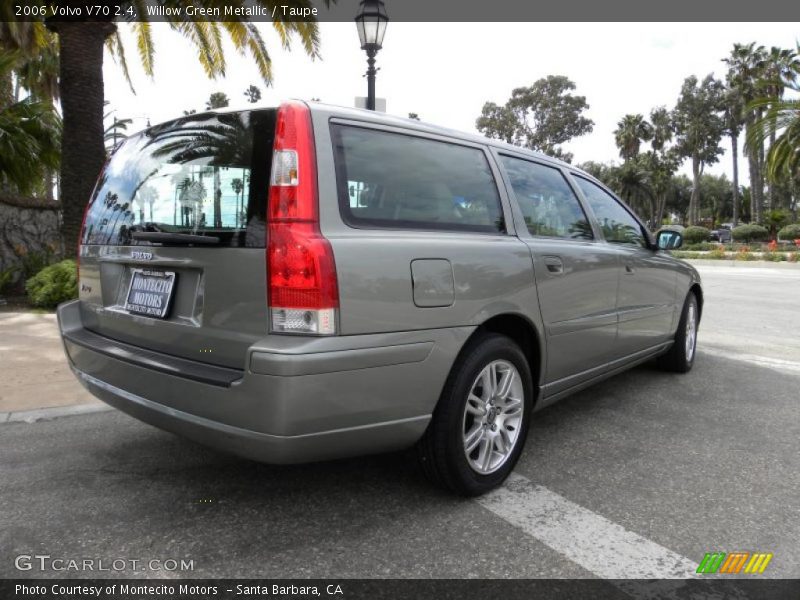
(371, 21)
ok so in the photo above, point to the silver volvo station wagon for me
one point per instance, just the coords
(310, 282)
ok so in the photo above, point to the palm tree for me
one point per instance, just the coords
(238, 187)
(114, 133)
(253, 94)
(632, 182)
(780, 120)
(30, 133)
(81, 46)
(746, 65)
(733, 115)
(782, 67)
(631, 131)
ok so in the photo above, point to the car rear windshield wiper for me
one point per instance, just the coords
(165, 237)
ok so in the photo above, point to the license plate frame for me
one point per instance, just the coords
(155, 302)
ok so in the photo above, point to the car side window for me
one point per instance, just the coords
(549, 206)
(617, 224)
(403, 181)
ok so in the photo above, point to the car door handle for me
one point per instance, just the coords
(554, 265)
(629, 268)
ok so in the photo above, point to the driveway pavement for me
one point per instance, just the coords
(638, 476)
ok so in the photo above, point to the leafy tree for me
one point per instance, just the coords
(716, 195)
(253, 94)
(191, 111)
(601, 171)
(632, 182)
(81, 46)
(679, 197)
(699, 127)
(631, 131)
(217, 100)
(539, 117)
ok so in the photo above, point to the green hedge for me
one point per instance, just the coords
(790, 232)
(696, 234)
(700, 246)
(750, 233)
(53, 285)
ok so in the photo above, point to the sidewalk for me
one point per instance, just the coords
(33, 368)
(758, 264)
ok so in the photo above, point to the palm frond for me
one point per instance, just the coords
(30, 140)
(116, 49)
(780, 119)
(144, 44)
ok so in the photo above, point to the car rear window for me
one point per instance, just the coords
(403, 181)
(205, 174)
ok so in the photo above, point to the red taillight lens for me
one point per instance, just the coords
(302, 286)
(301, 269)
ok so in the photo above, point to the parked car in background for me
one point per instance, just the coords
(310, 282)
(722, 233)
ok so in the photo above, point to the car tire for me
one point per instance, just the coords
(477, 431)
(680, 357)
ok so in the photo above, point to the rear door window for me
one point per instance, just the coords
(617, 224)
(548, 204)
(402, 181)
(204, 175)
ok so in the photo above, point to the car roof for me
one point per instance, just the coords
(370, 116)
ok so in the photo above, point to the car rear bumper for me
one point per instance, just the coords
(299, 399)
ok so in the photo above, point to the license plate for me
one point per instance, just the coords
(150, 292)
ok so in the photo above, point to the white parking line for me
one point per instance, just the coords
(762, 361)
(598, 545)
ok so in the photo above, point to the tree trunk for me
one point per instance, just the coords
(735, 152)
(82, 151)
(661, 201)
(756, 198)
(6, 90)
(756, 181)
(761, 182)
(695, 198)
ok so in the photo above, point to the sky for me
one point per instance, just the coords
(445, 72)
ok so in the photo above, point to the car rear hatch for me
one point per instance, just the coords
(172, 253)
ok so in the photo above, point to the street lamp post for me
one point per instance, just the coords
(371, 22)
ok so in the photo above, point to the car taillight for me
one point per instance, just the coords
(301, 274)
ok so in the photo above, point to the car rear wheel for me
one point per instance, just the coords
(680, 357)
(478, 429)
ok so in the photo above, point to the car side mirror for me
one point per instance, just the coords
(669, 240)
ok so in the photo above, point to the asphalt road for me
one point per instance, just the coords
(644, 469)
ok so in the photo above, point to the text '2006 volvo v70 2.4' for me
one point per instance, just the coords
(310, 282)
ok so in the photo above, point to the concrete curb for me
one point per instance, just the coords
(46, 414)
(758, 264)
